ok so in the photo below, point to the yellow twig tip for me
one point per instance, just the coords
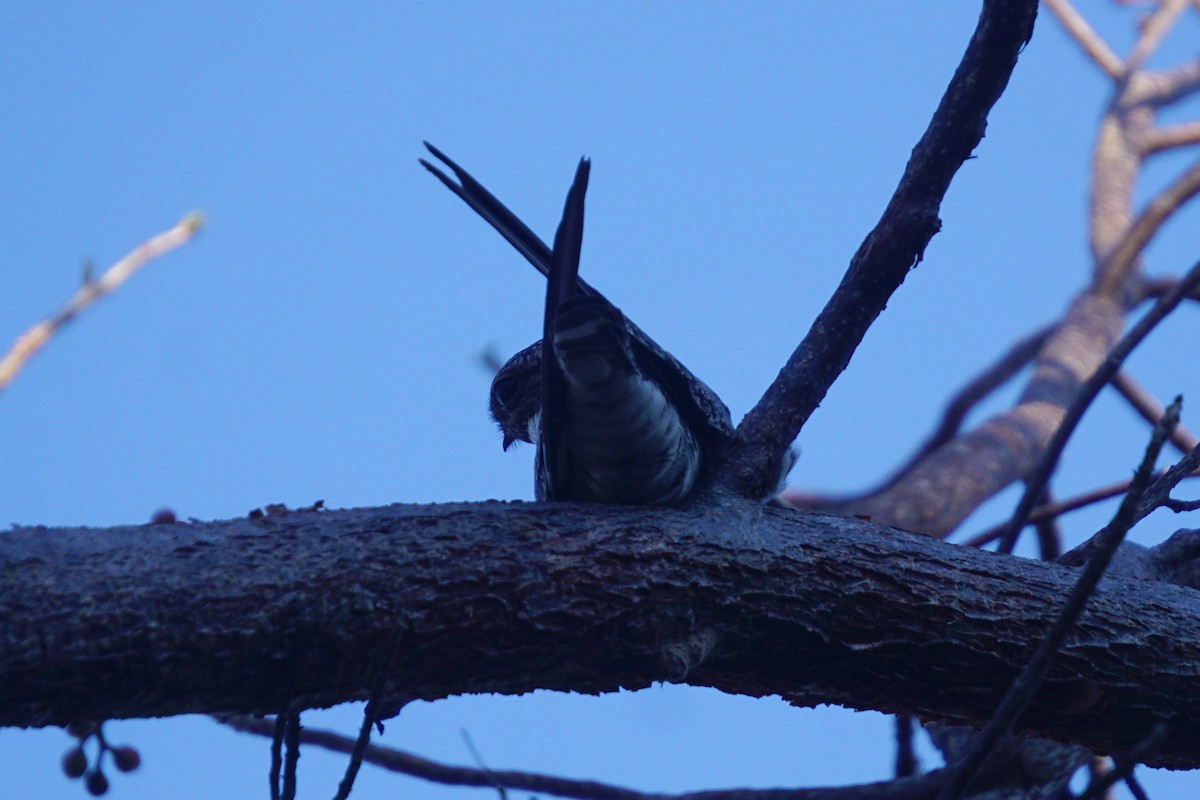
(193, 221)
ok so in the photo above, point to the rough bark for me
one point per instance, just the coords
(250, 616)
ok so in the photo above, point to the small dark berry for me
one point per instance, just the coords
(126, 758)
(74, 763)
(96, 783)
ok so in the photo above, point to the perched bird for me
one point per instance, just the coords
(616, 419)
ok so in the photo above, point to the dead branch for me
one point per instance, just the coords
(291, 611)
(1088, 40)
(896, 244)
(36, 337)
(1150, 410)
(922, 787)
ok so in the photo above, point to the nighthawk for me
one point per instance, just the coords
(616, 419)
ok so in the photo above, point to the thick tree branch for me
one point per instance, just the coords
(251, 616)
(887, 254)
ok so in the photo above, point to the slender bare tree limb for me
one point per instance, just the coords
(1152, 32)
(1170, 137)
(1037, 481)
(896, 244)
(906, 754)
(36, 337)
(1148, 407)
(1088, 40)
(1123, 766)
(1151, 288)
(1057, 509)
(1049, 533)
(921, 787)
(1160, 490)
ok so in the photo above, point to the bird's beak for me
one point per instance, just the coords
(508, 440)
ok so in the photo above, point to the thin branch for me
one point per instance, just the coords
(1146, 405)
(1180, 506)
(291, 741)
(1037, 480)
(276, 771)
(1134, 785)
(1160, 490)
(1152, 288)
(36, 337)
(1123, 766)
(1156, 140)
(917, 788)
(1049, 534)
(1152, 32)
(1088, 40)
(1054, 510)
(906, 755)
(501, 790)
(885, 257)
(1022, 690)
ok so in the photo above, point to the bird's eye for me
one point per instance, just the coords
(504, 390)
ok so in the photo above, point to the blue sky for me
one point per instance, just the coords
(319, 340)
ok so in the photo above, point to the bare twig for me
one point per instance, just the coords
(883, 260)
(906, 755)
(1022, 690)
(1151, 288)
(277, 754)
(1123, 765)
(371, 717)
(1135, 787)
(1180, 506)
(1157, 140)
(1088, 40)
(33, 339)
(1150, 410)
(291, 741)
(1159, 22)
(1037, 480)
(1048, 533)
(1160, 490)
(921, 787)
(1053, 510)
(501, 791)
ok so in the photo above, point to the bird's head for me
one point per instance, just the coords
(516, 396)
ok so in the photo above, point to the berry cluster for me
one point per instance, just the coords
(75, 763)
